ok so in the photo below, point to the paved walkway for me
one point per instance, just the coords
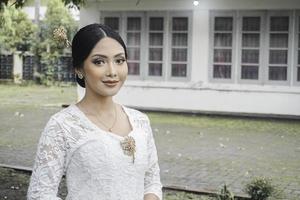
(196, 157)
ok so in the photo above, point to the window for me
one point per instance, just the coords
(298, 50)
(222, 47)
(278, 47)
(255, 47)
(112, 22)
(250, 47)
(133, 36)
(179, 46)
(157, 42)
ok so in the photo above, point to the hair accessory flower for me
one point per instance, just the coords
(60, 35)
(128, 146)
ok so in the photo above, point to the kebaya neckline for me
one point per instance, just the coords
(104, 131)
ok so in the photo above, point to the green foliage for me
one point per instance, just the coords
(260, 188)
(17, 32)
(225, 194)
(16, 3)
(50, 50)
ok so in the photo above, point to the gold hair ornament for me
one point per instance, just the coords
(60, 35)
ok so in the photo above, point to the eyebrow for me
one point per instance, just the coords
(104, 56)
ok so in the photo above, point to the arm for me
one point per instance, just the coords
(49, 164)
(153, 187)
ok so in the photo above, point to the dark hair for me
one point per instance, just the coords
(86, 39)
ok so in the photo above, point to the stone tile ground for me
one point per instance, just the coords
(194, 152)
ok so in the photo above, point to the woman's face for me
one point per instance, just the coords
(105, 69)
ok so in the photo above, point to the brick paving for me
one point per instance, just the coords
(193, 157)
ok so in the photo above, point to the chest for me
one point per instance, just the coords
(104, 155)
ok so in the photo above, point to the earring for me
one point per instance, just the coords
(80, 76)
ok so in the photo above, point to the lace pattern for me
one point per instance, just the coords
(93, 161)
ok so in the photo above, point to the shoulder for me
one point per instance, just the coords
(59, 118)
(63, 114)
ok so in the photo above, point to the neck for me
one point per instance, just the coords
(97, 103)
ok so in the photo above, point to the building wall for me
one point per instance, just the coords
(199, 93)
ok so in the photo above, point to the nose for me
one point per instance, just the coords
(111, 70)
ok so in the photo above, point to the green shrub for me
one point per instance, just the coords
(225, 194)
(260, 188)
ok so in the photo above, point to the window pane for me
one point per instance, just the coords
(133, 53)
(133, 23)
(180, 24)
(250, 56)
(155, 54)
(223, 40)
(298, 57)
(156, 24)
(179, 54)
(223, 23)
(155, 69)
(133, 68)
(279, 23)
(222, 71)
(298, 74)
(278, 57)
(112, 22)
(251, 23)
(179, 39)
(299, 41)
(179, 70)
(133, 39)
(250, 40)
(277, 73)
(222, 55)
(250, 72)
(156, 39)
(279, 40)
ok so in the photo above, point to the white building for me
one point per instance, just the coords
(222, 56)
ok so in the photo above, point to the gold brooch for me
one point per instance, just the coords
(128, 146)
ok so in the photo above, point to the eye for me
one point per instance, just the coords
(98, 62)
(120, 61)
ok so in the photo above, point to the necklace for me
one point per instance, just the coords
(128, 144)
(109, 128)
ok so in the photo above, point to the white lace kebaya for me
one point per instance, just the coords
(93, 161)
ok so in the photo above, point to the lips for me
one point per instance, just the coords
(110, 83)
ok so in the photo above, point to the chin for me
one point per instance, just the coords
(109, 93)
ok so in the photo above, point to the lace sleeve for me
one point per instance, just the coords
(152, 175)
(49, 164)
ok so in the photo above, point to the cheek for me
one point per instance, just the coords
(123, 72)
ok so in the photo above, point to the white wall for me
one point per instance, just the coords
(199, 94)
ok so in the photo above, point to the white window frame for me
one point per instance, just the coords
(145, 15)
(266, 68)
(165, 44)
(213, 14)
(292, 64)
(189, 47)
(242, 14)
(296, 48)
(142, 53)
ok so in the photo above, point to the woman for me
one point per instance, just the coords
(106, 150)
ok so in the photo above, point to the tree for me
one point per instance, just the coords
(16, 3)
(57, 15)
(17, 32)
